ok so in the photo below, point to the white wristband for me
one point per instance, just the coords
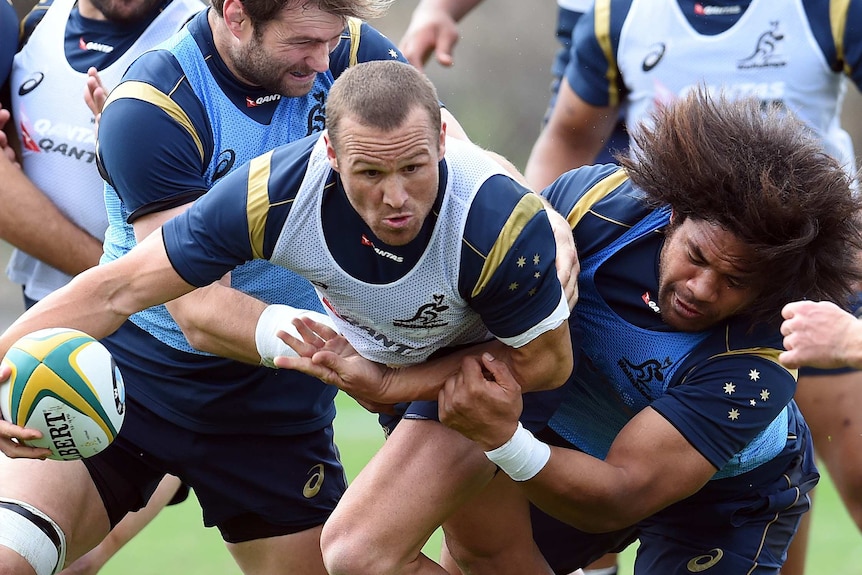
(277, 318)
(522, 457)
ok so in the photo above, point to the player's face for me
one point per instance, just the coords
(702, 276)
(285, 55)
(391, 178)
(122, 11)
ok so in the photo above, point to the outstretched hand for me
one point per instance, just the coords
(430, 32)
(482, 401)
(329, 357)
(12, 436)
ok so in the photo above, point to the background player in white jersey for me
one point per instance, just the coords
(254, 74)
(376, 187)
(794, 54)
(679, 428)
(60, 186)
(434, 29)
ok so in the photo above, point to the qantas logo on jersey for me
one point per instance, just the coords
(76, 142)
(94, 46)
(707, 10)
(399, 348)
(649, 301)
(381, 253)
(255, 102)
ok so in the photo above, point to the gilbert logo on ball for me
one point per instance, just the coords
(65, 384)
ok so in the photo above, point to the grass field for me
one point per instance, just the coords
(176, 543)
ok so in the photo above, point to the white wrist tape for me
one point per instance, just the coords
(522, 457)
(277, 318)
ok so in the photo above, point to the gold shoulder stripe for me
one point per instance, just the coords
(594, 194)
(526, 209)
(767, 353)
(838, 22)
(257, 201)
(602, 26)
(354, 25)
(147, 93)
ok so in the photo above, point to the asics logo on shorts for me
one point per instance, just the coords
(703, 562)
(314, 483)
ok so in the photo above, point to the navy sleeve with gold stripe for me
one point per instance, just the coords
(591, 197)
(362, 43)
(507, 258)
(155, 142)
(730, 389)
(237, 220)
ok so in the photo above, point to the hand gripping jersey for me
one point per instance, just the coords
(722, 388)
(56, 128)
(398, 322)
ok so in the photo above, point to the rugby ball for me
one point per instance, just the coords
(65, 384)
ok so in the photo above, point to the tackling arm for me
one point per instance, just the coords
(649, 466)
(217, 318)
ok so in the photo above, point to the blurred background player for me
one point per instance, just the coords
(54, 208)
(433, 29)
(794, 54)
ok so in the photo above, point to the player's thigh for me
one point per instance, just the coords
(491, 533)
(62, 490)
(293, 553)
(419, 477)
(832, 406)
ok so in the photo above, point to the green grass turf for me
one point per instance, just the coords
(177, 543)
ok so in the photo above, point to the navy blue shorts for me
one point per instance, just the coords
(249, 486)
(738, 525)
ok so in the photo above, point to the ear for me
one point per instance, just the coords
(330, 151)
(235, 18)
(442, 145)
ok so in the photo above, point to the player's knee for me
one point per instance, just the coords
(32, 535)
(346, 553)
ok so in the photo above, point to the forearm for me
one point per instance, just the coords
(553, 154)
(71, 306)
(457, 9)
(31, 222)
(544, 363)
(585, 492)
(220, 320)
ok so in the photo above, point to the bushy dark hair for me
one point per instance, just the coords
(763, 175)
(262, 11)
